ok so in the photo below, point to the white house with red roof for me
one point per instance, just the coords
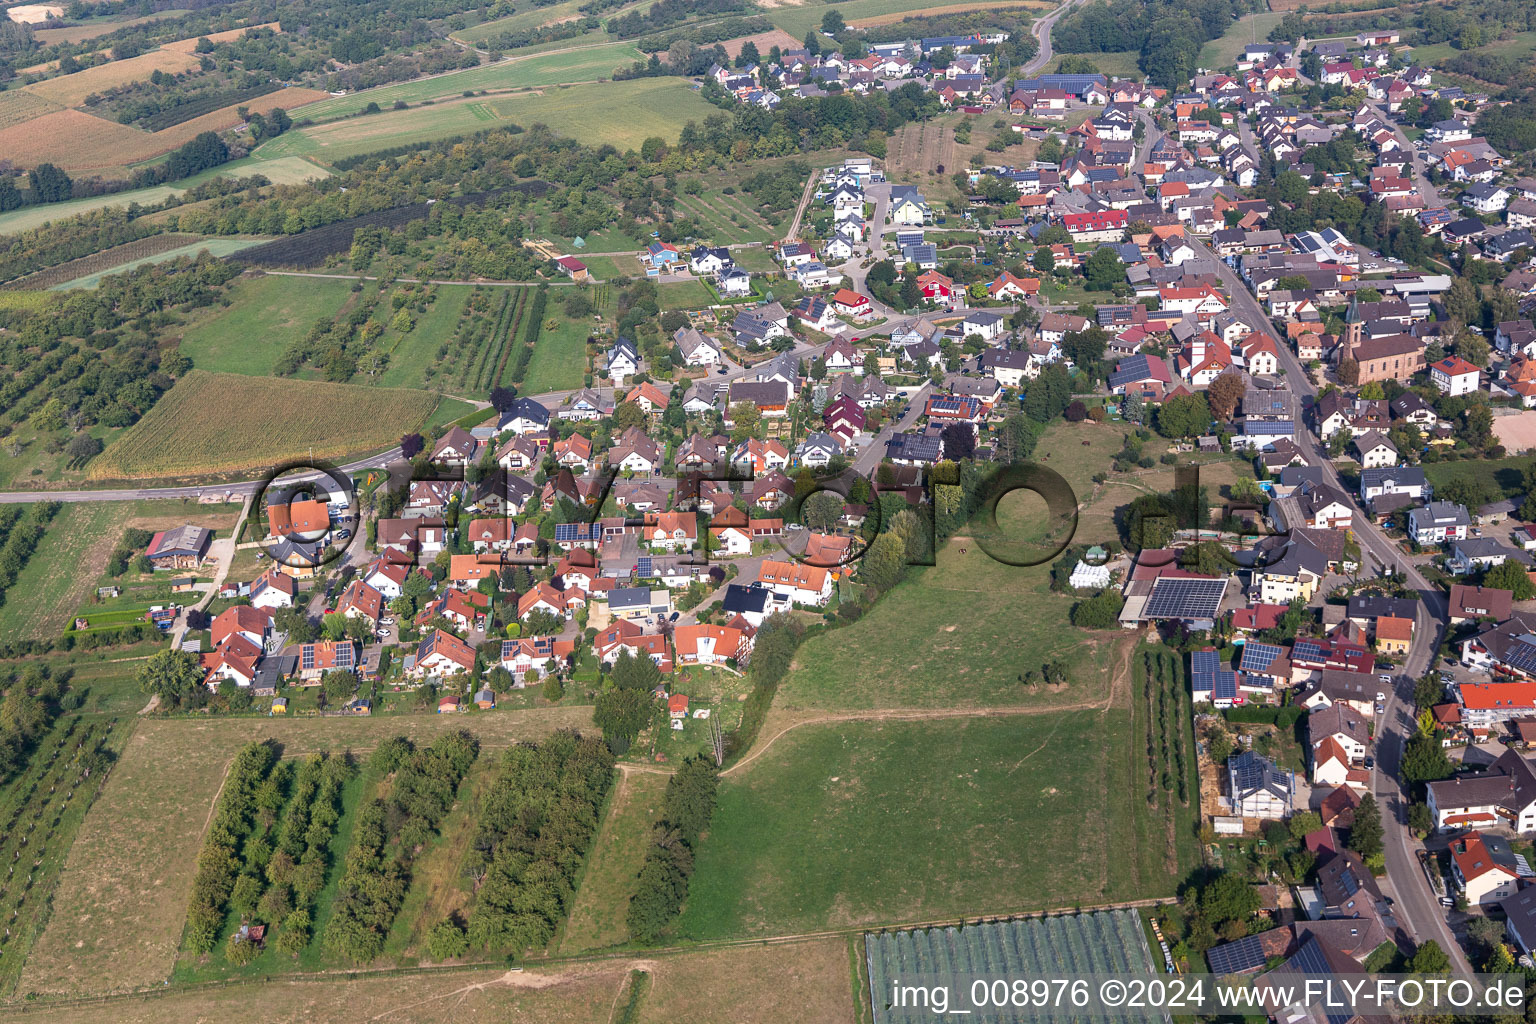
(849, 303)
(241, 620)
(360, 601)
(1454, 376)
(442, 654)
(707, 644)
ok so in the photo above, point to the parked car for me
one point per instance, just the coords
(1370, 763)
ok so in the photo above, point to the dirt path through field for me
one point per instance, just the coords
(1118, 686)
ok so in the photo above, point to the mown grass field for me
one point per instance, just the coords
(955, 635)
(683, 294)
(624, 114)
(597, 916)
(798, 19)
(527, 72)
(120, 906)
(560, 358)
(1224, 50)
(1115, 63)
(870, 823)
(213, 423)
(265, 314)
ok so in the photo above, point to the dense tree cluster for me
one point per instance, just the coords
(1168, 34)
(534, 831)
(389, 833)
(663, 885)
(31, 701)
(218, 863)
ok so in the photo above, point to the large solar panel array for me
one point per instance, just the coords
(1202, 662)
(1246, 954)
(1258, 657)
(1185, 598)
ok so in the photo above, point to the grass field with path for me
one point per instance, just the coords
(622, 113)
(212, 423)
(265, 313)
(120, 906)
(543, 69)
(854, 824)
(957, 634)
(72, 556)
(805, 981)
(597, 916)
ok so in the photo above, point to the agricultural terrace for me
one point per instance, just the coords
(578, 64)
(624, 114)
(71, 90)
(191, 431)
(287, 171)
(857, 821)
(75, 140)
(676, 988)
(134, 859)
(212, 246)
(1097, 942)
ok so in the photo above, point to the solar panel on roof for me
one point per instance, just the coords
(1246, 954)
(1310, 650)
(1185, 598)
(1521, 655)
(1258, 657)
(643, 566)
(307, 657)
(1224, 686)
(1204, 661)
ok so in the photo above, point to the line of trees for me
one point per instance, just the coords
(535, 828)
(295, 872)
(31, 701)
(219, 862)
(686, 809)
(388, 835)
(22, 533)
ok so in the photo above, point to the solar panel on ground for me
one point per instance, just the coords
(1245, 954)
(1185, 598)
(1258, 657)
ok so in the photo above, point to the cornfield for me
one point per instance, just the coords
(212, 423)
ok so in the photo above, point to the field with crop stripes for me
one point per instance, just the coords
(96, 262)
(1098, 942)
(212, 423)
